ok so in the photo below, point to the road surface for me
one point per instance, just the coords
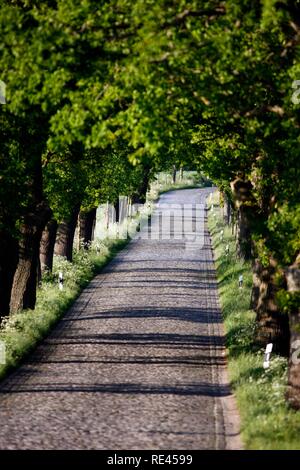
(139, 360)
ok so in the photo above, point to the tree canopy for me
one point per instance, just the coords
(103, 94)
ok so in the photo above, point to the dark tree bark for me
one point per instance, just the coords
(174, 173)
(23, 293)
(33, 135)
(39, 272)
(256, 270)
(86, 226)
(47, 246)
(227, 211)
(65, 235)
(139, 196)
(293, 286)
(272, 324)
(233, 222)
(245, 213)
(117, 211)
(226, 208)
(8, 264)
(243, 232)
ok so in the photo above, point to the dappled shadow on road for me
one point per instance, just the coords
(158, 284)
(190, 314)
(171, 340)
(196, 389)
(172, 271)
(148, 260)
(187, 360)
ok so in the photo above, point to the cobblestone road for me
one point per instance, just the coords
(137, 363)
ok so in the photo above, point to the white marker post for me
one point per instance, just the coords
(222, 235)
(2, 353)
(267, 355)
(241, 281)
(60, 280)
(2, 92)
(227, 250)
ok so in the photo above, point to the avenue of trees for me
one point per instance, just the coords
(101, 94)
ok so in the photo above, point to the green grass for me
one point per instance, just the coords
(266, 420)
(22, 332)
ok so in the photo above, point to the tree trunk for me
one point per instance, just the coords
(23, 294)
(174, 174)
(32, 139)
(243, 233)
(117, 211)
(226, 208)
(246, 210)
(39, 272)
(47, 246)
(272, 326)
(256, 270)
(8, 264)
(65, 235)
(233, 223)
(86, 226)
(293, 286)
(139, 196)
(227, 211)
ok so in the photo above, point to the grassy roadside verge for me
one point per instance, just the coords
(266, 421)
(23, 331)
